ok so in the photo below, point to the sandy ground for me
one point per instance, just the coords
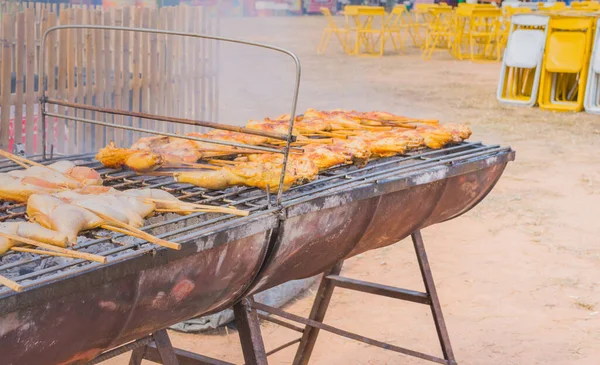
(518, 276)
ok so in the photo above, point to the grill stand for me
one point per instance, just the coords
(314, 323)
(247, 321)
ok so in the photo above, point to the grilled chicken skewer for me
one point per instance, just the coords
(32, 231)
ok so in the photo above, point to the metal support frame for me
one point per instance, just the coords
(247, 318)
(331, 279)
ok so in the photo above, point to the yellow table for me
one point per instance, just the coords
(369, 26)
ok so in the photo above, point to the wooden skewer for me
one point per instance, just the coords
(139, 233)
(142, 235)
(18, 159)
(80, 255)
(43, 252)
(195, 165)
(22, 161)
(201, 206)
(224, 162)
(328, 134)
(23, 165)
(11, 284)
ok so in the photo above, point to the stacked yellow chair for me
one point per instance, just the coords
(565, 65)
(522, 62)
(508, 13)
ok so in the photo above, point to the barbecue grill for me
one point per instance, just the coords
(76, 311)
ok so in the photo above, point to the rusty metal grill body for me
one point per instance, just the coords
(144, 288)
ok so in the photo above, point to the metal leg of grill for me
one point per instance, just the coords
(436, 308)
(165, 348)
(317, 313)
(331, 279)
(246, 319)
(164, 351)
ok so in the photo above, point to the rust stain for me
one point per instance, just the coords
(160, 301)
(182, 289)
(108, 305)
(82, 356)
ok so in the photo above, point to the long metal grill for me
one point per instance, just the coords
(32, 270)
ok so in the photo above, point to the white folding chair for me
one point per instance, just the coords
(522, 63)
(591, 102)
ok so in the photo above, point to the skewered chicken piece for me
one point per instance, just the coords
(149, 153)
(19, 189)
(85, 175)
(160, 199)
(32, 231)
(137, 160)
(390, 143)
(47, 174)
(72, 212)
(67, 219)
(132, 209)
(255, 174)
(439, 136)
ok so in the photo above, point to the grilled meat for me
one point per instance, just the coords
(32, 231)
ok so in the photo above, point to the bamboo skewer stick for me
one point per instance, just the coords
(135, 232)
(80, 255)
(192, 164)
(224, 162)
(192, 211)
(11, 284)
(126, 230)
(201, 206)
(44, 252)
(16, 158)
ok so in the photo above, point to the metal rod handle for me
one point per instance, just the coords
(167, 134)
(199, 123)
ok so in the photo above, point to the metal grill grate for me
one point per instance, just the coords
(29, 269)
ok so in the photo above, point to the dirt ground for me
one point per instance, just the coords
(518, 276)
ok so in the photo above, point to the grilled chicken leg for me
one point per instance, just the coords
(32, 231)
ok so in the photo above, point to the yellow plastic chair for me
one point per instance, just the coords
(332, 29)
(565, 65)
(396, 25)
(485, 34)
(440, 31)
